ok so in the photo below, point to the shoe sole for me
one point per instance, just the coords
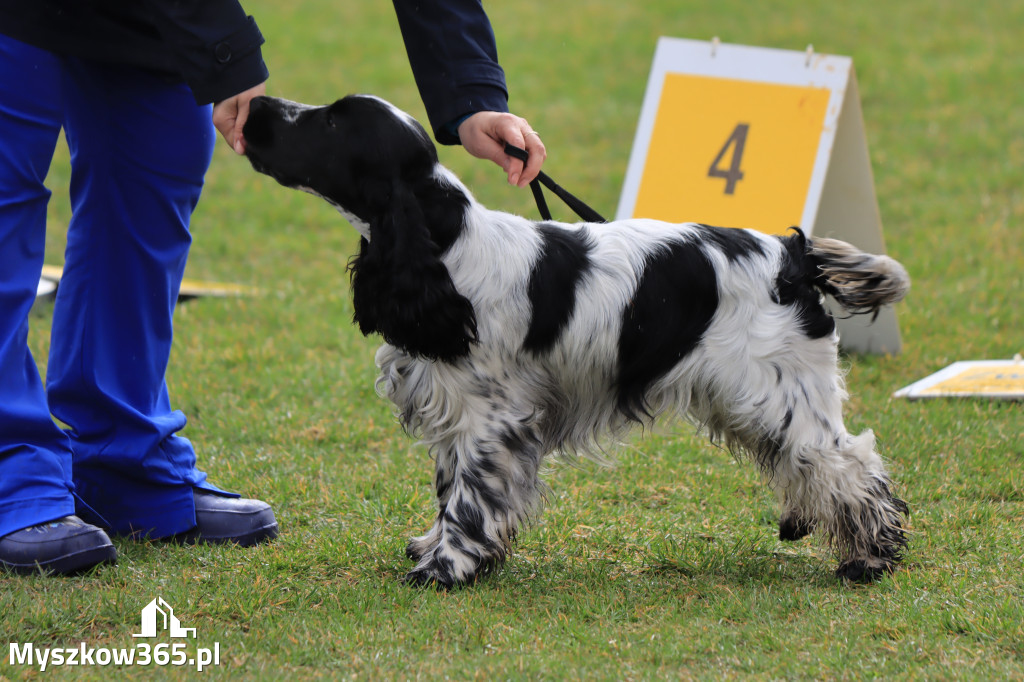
(68, 564)
(252, 538)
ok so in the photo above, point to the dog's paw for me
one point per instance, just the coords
(793, 528)
(433, 571)
(865, 570)
(424, 578)
(446, 571)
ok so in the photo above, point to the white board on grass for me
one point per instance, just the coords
(190, 288)
(971, 378)
(743, 136)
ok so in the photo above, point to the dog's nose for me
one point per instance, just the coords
(257, 128)
(257, 103)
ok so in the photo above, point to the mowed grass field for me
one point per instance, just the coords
(665, 565)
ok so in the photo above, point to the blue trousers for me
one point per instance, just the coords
(140, 147)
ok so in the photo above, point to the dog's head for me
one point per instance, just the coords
(354, 153)
(378, 166)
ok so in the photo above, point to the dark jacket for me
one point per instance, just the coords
(210, 44)
(215, 47)
(454, 60)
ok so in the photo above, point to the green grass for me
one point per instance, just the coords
(665, 566)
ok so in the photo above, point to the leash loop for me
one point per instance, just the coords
(581, 209)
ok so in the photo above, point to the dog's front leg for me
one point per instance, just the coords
(487, 485)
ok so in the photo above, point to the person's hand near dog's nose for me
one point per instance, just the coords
(229, 116)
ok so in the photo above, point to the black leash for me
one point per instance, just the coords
(581, 209)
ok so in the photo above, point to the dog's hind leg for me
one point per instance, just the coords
(829, 480)
(844, 491)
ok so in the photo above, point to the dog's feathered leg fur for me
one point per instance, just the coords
(486, 463)
(843, 490)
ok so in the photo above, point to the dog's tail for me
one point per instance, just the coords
(860, 282)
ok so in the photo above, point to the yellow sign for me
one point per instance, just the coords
(982, 380)
(740, 136)
(732, 153)
(979, 378)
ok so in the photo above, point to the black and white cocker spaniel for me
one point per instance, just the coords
(509, 339)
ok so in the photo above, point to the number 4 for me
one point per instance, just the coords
(737, 141)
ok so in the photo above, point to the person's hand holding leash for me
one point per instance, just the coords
(485, 133)
(229, 116)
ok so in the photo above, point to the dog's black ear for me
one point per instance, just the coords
(402, 290)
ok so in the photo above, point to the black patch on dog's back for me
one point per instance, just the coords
(564, 259)
(669, 313)
(733, 242)
(794, 287)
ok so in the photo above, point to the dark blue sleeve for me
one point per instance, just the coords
(454, 60)
(216, 45)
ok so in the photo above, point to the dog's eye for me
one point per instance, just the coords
(330, 121)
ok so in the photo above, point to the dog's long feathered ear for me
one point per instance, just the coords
(402, 290)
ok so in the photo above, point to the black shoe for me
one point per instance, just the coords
(223, 520)
(65, 546)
